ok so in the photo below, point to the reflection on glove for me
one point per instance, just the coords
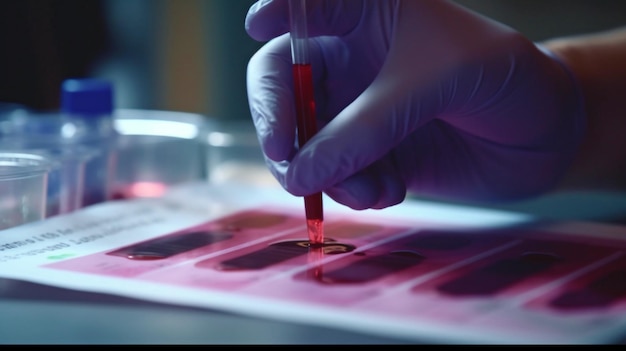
(420, 96)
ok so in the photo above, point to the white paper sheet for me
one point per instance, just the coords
(417, 271)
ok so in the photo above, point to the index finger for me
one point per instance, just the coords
(267, 19)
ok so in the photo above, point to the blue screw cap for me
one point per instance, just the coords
(87, 96)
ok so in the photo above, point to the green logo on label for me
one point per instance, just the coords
(60, 256)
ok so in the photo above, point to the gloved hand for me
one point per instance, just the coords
(412, 95)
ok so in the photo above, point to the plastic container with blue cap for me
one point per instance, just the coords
(89, 102)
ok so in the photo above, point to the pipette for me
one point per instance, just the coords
(305, 109)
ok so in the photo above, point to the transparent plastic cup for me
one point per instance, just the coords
(156, 150)
(233, 154)
(23, 188)
(58, 139)
(66, 180)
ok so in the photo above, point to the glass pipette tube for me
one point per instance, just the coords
(305, 109)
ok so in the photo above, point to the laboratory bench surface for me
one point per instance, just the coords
(39, 314)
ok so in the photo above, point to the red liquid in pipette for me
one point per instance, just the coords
(307, 127)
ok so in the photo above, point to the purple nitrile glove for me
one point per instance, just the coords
(422, 96)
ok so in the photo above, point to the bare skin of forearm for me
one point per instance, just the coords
(598, 61)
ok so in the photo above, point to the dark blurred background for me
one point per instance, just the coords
(191, 55)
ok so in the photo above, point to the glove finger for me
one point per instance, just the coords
(378, 186)
(268, 19)
(270, 97)
(278, 170)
